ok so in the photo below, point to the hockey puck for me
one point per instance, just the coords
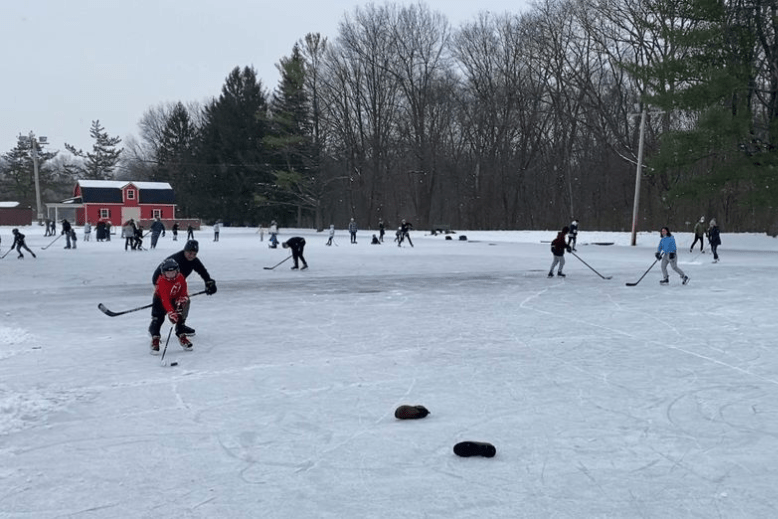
(174, 363)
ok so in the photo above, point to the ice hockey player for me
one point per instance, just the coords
(558, 248)
(66, 230)
(332, 235)
(187, 261)
(666, 251)
(157, 228)
(572, 238)
(170, 298)
(405, 234)
(714, 238)
(297, 244)
(699, 234)
(19, 244)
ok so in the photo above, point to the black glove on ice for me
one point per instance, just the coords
(658, 255)
(210, 287)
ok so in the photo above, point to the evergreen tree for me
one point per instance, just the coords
(17, 175)
(175, 156)
(722, 142)
(231, 155)
(291, 143)
(102, 161)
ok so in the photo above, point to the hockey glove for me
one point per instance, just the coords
(569, 249)
(174, 317)
(658, 255)
(672, 255)
(210, 287)
(182, 301)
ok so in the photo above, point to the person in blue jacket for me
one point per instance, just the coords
(667, 252)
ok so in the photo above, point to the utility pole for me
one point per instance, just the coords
(35, 167)
(636, 203)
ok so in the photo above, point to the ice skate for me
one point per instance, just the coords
(185, 343)
(685, 280)
(665, 281)
(154, 346)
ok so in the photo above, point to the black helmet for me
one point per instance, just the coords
(192, 245)
(169, 265)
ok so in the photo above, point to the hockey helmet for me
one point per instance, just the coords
(169, 265)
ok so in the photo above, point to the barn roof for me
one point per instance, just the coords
(110, 191)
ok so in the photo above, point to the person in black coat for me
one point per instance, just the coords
(19, 244)
(714, 238)
(297, 244)
(66, 231)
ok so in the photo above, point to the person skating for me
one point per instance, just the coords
(273, 231)
(190, 232)
(157, 228)
(217, 227)
(171, 296)
(667, 252)
(352, 230)
(87, 231)
(138, 240)
(572, 237)
(699, 234)
(19, 244)
(297, 245)
(332, 235)
(375, 240)
(128, 233)
(381, 229)
(187, 261)
(558, 247)
(714, 238)
(405, 232)
(66, 230)
(175, 231)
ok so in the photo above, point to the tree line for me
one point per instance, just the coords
(509, 121)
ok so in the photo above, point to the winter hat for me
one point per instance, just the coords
(702, 219)
(192, 245)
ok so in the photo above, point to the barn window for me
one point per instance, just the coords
(105, 213)
(156, 213)
(130, 194)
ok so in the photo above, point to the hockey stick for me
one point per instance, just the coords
(109, 313)
(52, 243)
(277, 264)
(644, 274)
(582, 261)
(6, 254)
(162, 361)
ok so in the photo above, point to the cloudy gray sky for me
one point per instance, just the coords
(66, 64)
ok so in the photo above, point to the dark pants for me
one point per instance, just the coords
(702, 242)
(154, 238)
(158, 315)
(297, 255)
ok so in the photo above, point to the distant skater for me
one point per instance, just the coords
(19, 244)
(297, 245)
(699, 234)
(572, 237)
(714, 239)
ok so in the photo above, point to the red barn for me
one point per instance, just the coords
(118, 201)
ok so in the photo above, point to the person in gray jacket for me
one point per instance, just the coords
(157, 228)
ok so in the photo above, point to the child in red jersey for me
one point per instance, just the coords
(170, 296)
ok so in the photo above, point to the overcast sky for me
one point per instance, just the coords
(66, 64)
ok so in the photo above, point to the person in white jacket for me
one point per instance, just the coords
(332, 235)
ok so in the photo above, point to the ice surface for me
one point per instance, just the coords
(602, 400)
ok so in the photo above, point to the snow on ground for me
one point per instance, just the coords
(603, 400)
